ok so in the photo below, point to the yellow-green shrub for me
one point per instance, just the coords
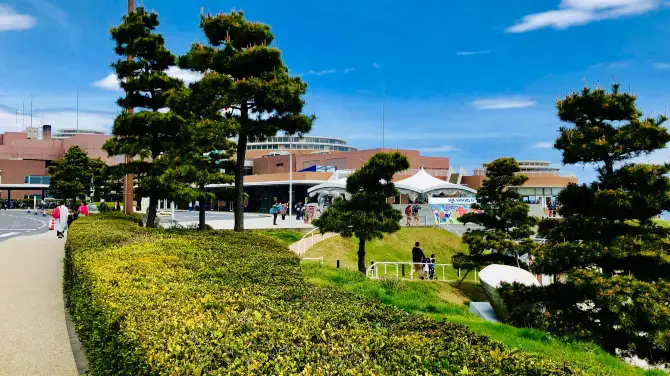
(157, 302)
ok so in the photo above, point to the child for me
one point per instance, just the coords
(431, 269)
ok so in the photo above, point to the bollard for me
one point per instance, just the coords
(338, 264)
(28, 211)
(403, 270)
(35, 213)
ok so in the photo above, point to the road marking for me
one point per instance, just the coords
(8, 234)
(18, 229)
(44, 224)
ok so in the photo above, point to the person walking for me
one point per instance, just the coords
(274, 210)
(284, 208)
(61, 214)
(417, 259)
(83, 209)
(415, 213)
(117, 206)
(408, 215)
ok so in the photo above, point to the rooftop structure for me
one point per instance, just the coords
(298, 145)
(64, 133)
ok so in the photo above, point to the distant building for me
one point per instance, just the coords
(542, 187)
(64, 133)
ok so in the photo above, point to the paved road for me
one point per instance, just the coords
(185, 216)
(15, 223)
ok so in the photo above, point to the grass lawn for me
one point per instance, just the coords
(444, 302)
(393, 247)
(285, 236)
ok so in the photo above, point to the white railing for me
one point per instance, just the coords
(396, 269)
(482, 172)
(433, 172)
(302, 249)
(320, 259)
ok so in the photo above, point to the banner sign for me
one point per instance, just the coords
(452, 200)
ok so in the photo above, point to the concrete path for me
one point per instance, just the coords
(259, 222)
(301, 246)
(33, 335)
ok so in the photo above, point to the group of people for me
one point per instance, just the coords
(412, 214)
(281, 208)
(423, 266)
(62, 216)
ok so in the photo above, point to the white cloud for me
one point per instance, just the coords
(439, 149)
(319, 73)
(110, 82)
(544, 145)
(470, 53)
(11, 20)
(423, 136)
(59, 120)
(503, 103)
(188, 76)
(376, 65)
(613, 64)
(349, 70)
(580, 12)
(661, 65)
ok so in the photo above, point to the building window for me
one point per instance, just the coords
(36, 179)
(280, 164)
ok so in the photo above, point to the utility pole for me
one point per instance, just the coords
(31, 111)
(77, 107)
(128, 180)
(290, 180)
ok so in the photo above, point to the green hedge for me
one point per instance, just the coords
(175, 302)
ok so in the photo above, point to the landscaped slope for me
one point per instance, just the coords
(393, 247)
(158, 302)
(440, 300)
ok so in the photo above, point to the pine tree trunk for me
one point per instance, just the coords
(201, 210)
(458, 285)
(361, 256)
(239, 168)
(151, 214)
(239, 182)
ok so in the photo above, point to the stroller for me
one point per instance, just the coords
(429, 267)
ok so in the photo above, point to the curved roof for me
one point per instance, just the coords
(335, 184)
(423, 182)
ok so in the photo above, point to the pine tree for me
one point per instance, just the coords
(614, 255)
(366, 214)
(204, 153)
(507, 227)
(148, 133)
(252, 82)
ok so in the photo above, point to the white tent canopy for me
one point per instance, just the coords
(423, 182)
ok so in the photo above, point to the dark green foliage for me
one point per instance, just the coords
(146, 134)
(203, 154)
(247, 76)
(72, 177)
(107, 182)
(507, 227)
(158, 302)
(613, 254)
(367, 213)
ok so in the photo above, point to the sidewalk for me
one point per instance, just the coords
(33, 335)
(253, 223)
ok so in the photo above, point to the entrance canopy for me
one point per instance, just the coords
(426, 184)
(329, 188)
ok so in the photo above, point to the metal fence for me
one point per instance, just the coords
(409, 270)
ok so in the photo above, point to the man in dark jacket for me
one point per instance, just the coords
(417, 259)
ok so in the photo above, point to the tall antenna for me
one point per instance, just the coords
(383, 112)
(77, 107)
(23, 118)
(16, 121)
(31, 110)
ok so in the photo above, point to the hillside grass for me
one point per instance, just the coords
(284, 236)
(445, 303)
(393, 247)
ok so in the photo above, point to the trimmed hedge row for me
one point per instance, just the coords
(175, 302)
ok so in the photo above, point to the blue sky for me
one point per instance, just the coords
(470, 80)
